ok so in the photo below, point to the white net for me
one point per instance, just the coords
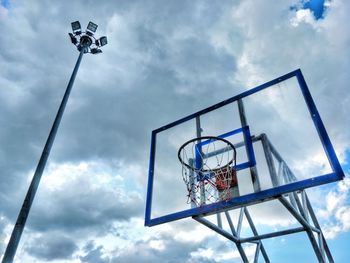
(208, 170)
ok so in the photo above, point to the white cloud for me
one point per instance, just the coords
(3, 12)
(196, 234)
(163, 61)
(303, 16)
(157, 244)
(222, 255)
(203, 253)
(336, 215)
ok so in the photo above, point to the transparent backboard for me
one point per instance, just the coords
(281, 146)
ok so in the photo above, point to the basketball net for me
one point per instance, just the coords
(208, 169)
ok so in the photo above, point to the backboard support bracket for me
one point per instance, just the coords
(298, 205)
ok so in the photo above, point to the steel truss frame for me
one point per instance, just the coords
(299, 206)
(297, 203)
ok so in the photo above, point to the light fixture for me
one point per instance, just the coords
(91, 28)
(86, 41)
(76, 27)
(96, 51)
(73, 38)
(103, 41)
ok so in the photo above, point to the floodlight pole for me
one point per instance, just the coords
(84, 46)
(23, 214)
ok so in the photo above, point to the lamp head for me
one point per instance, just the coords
(96, 51)
(91, 28)
(103, 41)
(73, 38)
(76, 27)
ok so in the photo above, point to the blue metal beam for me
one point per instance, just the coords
(232, 99)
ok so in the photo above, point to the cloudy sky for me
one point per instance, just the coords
(164, 60)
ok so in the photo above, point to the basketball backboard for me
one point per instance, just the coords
(280, 141)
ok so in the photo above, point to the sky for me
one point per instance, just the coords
(164, 60)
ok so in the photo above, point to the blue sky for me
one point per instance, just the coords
(346, 165)
(162, 62)
(317, 7)
(5, 3)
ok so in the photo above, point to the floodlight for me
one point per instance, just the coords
(73, 38)
(76, 27)
(103, 41)
(92, 27)
(95, 51)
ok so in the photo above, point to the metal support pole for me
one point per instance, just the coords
(274, 234)
(219, 220)
(234, 233)
(269, 160)
(257, 250)
(300, 206)
(23, 214)
(216, 228)
(253, 170)
(255, 232)
(307, 226)
(303, 199)
(201, 185)
(315, 221)
(191, 177)
(296, 214)
(239, 224)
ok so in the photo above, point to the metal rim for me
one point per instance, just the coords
(207, 138)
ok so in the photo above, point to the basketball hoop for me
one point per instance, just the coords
(208, 169)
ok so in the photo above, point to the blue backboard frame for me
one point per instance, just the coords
(249, 147)
(336, 174)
